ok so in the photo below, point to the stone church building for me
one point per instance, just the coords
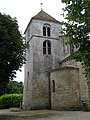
(52, 79)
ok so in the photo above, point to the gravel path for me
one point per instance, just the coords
(44, 115)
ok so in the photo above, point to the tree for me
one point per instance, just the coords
(77, 29)
(14, 87)
(12, 49)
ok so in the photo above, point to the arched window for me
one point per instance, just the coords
(46, 30)
(27, 79)
(44, 47)
(47, 47)
(53, 85)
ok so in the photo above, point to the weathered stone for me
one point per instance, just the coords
(51, 80)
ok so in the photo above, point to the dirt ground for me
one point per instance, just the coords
(44, 115)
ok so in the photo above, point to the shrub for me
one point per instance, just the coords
(10, 100)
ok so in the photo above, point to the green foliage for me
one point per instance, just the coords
(77, 29)
(14, 87)
(10, 100)
(12, 49)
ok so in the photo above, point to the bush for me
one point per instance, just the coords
(10, 100)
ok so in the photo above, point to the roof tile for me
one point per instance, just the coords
(44, 16)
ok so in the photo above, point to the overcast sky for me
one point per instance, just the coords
(24, 10)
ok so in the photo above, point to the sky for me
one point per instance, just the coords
(24, 10)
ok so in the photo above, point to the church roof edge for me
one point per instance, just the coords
(42, 15)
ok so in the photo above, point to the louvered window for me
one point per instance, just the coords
(47, 47)
(46, 30)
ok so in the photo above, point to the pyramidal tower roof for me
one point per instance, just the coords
(42, 15)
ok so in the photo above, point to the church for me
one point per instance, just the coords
(52, 79)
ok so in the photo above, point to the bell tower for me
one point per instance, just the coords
(43, 53)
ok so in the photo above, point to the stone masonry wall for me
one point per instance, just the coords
(38, 65)
(66, 95)
(83, 81)
(42, 65)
